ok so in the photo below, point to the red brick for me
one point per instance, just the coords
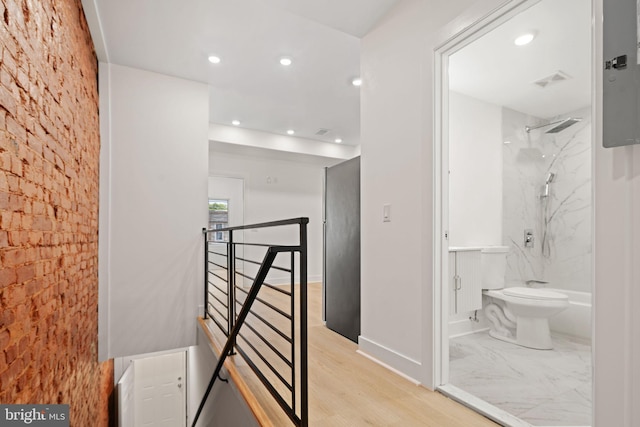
(18, 238)
(4, 200)
(3, 367)
(16, 130)
(28, 189)
(35, 143)
(13, 296)
(7, 101)
(25, 272)
(5, 339)
(35, 238)
(14, 183)
(8, 276)
(16, 167)
(22, 79)
(7, 317)
(15, 203)
(11, 353)
(42, 223)
(14, 257)
(4, 184)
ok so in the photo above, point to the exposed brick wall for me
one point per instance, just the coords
(49, 166)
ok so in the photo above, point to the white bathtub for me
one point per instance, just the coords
(575, 320)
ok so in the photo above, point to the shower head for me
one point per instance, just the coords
(560, 125)
(550, 177)
(546, 187)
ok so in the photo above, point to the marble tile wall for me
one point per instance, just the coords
(561, 222)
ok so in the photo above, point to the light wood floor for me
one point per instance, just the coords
(347, 389)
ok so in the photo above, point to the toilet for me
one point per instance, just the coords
(519, 315)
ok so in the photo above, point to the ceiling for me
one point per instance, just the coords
(175, 37)
(495, 70)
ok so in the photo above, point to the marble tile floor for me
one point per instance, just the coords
(541, 387)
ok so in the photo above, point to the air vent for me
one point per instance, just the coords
(557, 77)
(322, 132)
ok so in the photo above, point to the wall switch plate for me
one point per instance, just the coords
(386, 213)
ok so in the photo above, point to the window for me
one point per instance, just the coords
(218, 219)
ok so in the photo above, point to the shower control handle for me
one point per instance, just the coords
(528, 238)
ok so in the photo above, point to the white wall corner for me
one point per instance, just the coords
(92, 15)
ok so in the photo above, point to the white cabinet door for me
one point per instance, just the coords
(465, 281)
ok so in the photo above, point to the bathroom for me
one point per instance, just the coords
(520, 191)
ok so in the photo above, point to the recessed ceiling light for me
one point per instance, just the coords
(286, 61)
(525, 38)
(214, 59)
(290, 132)
(236, 122)
(356, 81)
(338, 140)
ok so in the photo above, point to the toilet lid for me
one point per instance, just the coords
(533, 293)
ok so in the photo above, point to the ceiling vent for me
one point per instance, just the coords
(322, 132)
(557, 77)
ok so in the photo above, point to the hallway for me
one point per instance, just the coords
(348, 389)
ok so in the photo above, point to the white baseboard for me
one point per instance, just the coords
(390, 368)
(390, 359)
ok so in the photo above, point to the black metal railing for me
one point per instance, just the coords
(270, 329)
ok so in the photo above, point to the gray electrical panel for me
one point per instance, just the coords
(621, 85)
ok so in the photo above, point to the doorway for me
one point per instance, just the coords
(160, 390)
(226, 209)
(500, 154)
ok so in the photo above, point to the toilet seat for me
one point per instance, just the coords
(534, 293)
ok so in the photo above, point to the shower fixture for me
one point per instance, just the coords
(560, 125)
(545, 189)
(550, 177)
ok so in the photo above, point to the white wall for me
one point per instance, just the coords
(475, 172)
(617, 270)
(274, 190)
(397, 169)
(153, 206)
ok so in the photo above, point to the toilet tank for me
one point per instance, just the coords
(493, 261)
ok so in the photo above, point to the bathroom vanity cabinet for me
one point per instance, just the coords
(465, 280)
